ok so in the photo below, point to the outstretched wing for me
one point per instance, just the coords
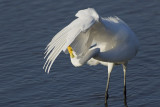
(78, 30)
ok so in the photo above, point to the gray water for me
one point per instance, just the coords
(26, 27)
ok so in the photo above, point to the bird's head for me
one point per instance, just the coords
(70, 51)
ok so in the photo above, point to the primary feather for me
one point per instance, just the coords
(67, 35)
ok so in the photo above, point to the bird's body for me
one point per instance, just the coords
(116, 45)
(94, 40)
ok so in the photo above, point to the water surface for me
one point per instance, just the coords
(28, 26)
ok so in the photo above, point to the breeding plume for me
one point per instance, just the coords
(92, 39)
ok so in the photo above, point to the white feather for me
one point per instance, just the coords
(111, 35)
(67, 35)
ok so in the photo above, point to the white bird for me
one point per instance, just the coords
(94, 40)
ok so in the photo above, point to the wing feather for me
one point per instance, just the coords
(66, 36)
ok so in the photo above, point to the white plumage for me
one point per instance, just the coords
(94, 40)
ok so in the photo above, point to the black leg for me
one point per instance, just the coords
(106, 104)
(110, 67)
(124, 90)
(106, 93)
(125, 98)
(125, 102)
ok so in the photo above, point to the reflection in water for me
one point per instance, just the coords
(106, 104)
(125, 101)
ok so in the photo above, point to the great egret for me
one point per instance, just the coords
(94, 40)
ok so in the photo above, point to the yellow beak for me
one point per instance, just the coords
(70, 51)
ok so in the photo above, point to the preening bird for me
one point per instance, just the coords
(92, 39)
